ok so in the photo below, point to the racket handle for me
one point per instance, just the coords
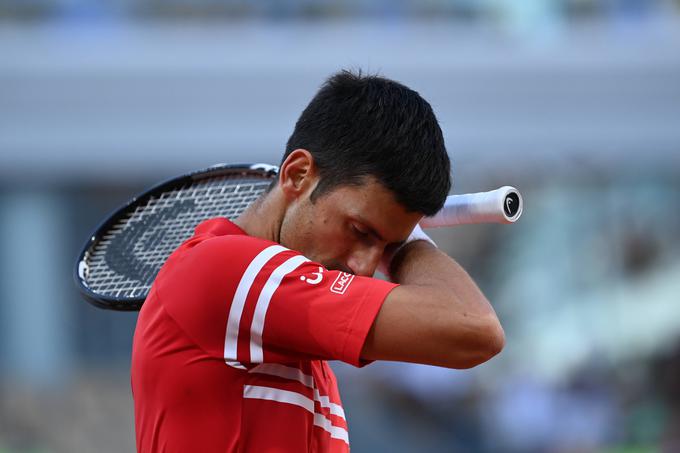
(503, 205)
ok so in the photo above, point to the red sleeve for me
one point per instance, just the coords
(317, 313)
(249, 301)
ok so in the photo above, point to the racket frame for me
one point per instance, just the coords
(134, 304)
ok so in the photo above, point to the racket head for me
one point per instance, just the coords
(120, 259)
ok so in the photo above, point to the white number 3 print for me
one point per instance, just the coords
(316, 280)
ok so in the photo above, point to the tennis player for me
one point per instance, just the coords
(231, 346)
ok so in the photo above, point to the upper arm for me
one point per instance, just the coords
(424, 324)
(321, 313)
(253, 306)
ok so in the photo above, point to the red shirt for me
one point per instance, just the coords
(231, 344)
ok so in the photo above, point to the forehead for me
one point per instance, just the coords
(373, 204)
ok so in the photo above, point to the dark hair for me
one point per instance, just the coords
(366, 125)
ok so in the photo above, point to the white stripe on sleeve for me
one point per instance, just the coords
(256, 328)
(239, 301)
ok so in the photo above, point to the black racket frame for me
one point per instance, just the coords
(134, 304)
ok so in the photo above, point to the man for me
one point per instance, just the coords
(231, 345)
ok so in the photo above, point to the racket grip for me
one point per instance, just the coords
(503, 205)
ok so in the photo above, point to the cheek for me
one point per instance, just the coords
(325, 240)
(317, 234)
(304, 230)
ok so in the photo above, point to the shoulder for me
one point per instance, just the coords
(202, 259)
(198, 283)
(233, 245)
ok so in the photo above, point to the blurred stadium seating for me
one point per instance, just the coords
(575, 102)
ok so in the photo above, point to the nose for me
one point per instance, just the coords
(365, 261)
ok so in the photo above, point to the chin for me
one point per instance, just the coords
(331, 264)
(336, 266)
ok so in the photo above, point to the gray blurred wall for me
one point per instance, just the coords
(133, 101)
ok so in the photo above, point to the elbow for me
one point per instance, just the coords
(496, 340)
(485, 343)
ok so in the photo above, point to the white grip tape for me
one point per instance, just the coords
(482, 207)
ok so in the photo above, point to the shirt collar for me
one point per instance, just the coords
(218, 226)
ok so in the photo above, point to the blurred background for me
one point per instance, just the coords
(575, 102)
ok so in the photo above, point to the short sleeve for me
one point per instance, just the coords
(318, 313)
(250, 301)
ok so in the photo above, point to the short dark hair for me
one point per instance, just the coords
(367, 125)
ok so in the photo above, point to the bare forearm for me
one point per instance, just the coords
(420, 263)
(437, 315)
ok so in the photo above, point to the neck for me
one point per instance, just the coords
(263, 218)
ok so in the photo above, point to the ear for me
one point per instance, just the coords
(297, 174)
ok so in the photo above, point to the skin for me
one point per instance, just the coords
(437, 316)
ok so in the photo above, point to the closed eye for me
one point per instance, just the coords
(360, 231)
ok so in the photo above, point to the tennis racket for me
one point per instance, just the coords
(120, 260)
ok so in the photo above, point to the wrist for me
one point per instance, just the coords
(406, 252)
(391, 256)
(418, 235)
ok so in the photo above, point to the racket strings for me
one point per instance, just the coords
(124, 263)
